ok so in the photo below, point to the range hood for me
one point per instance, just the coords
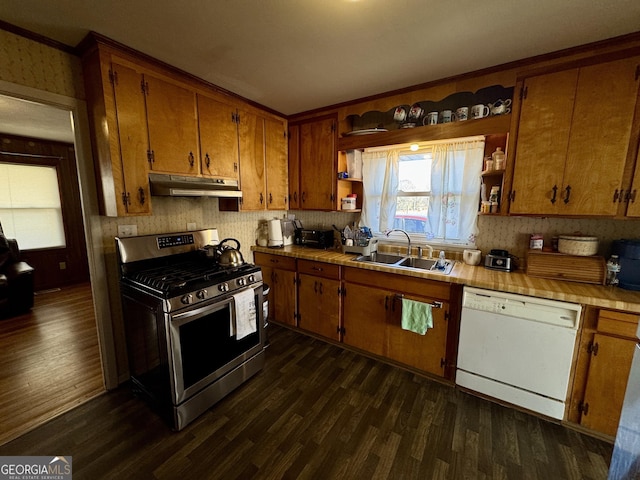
(181, 186)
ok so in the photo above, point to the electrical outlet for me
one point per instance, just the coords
(127, 230)
(191, 226)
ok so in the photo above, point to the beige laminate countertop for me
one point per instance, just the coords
(514, 282)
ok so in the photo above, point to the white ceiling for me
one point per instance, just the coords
(294, 56)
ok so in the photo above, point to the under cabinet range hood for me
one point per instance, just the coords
(181, 186)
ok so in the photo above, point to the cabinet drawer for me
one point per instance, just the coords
(618, 323)
(319, 269)
(275, 261)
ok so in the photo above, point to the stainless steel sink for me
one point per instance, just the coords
(399, 261)
(375, 257)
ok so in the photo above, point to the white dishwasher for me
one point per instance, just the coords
(517, 349)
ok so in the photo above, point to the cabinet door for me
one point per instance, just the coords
(543, 138)
(276, 164)
(318, 167)
(173, 127)
(283, 296)
(365, 317)
(319, 305)
(425, 352)
(600, 134)
(252, 162)
(605, 392)
(218, 138)
(132, 138)
(294, 166)
(632, 198)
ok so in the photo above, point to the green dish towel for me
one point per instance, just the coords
(416, 316)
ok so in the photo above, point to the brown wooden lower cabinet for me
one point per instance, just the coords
(603, 364)
(319, 298)
(280, 274)
(372, 318)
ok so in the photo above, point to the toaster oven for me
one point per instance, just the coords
(314, 238)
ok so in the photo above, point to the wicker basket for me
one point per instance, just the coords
(575, 245)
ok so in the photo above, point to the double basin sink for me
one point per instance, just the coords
(403, 261)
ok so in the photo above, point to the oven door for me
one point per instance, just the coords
(204, 347)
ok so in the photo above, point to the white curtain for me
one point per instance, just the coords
(380, 184)
(455, 190)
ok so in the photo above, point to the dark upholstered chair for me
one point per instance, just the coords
(16, 279)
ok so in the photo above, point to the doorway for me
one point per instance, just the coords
(45, 111)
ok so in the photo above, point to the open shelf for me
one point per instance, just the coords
(485, 126)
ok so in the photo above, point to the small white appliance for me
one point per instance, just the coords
(288, 231)
(275, 233)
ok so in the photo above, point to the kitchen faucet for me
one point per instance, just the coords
(408, 238)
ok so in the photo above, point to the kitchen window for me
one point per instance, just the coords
(431, 191)
(30, 206)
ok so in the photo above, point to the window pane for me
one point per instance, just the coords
(30, 208)
(414, 174)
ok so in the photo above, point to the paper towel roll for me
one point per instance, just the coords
(275, 233)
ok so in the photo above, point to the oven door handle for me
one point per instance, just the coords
(189, 315)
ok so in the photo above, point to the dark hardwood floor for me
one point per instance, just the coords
(319, 412)
(49, 360)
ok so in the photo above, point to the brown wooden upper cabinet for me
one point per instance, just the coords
(313, 156)
(218, 127)
(263, 163)
(131, 157)
(277, 184)
(573, 138)
(118, 125)
(173, 127)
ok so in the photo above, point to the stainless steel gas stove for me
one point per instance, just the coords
(195, 330)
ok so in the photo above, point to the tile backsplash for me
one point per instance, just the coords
(171, 214)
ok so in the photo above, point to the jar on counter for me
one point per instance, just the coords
(262, 234)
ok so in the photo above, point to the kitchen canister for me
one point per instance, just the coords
(349, 203)
(577, 245)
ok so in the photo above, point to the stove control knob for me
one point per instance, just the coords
(223, 287)
(251, 278)
(187, 299)
(242, 282)
(201, 294)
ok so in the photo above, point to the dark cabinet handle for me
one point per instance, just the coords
(386, 302)
(320, 288)
(270, 198)
(235, 166)
(631, 196)
(555, 193)
(207, 160)
(568, 190)
(295, 197)
(141, 196)
(303, 197)
(261, 198)
(192, 159)
(315, 287)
